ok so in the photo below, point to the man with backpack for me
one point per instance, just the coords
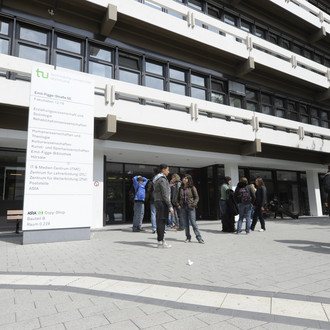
(244, 196)
(139, 184)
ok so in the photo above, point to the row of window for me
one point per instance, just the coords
(249, 25)
(323, 5)
(49, 46)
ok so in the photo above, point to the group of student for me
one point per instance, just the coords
(179, 200)
(246, 201)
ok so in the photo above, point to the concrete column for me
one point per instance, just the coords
(231, 169)
(98, 186)
(314, 194)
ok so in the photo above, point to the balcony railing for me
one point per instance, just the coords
(200, 27)
(202, 117)
(307, 11)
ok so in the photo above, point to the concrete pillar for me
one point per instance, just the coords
(98, 184)
(314, 194)
(231, 169)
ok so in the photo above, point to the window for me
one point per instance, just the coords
(68, 53)
(285, 44)
(214, 12)
(235, 101)
(315, 117)
(177, 81)
(34, 36)
(155, 75)
(195, 4)
(266, 104)
(4, 39)
(100, 61)
(260, 32)
(229, 19)
(324, 115)
(279, 107)
(251, 100)
(198, 86)
(4, 27)
(246, 26)
(273, 38)
(304, 116)
(32, 44)
(32, 53)
(129, 69)
(217, 92)
(297, 49)
(292, 111)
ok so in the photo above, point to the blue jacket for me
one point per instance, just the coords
(140, 195)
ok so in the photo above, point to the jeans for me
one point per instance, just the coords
(190, 214)
(170, 220)
(153, 216)
(244, 209)
(162, 218)
(138, 215)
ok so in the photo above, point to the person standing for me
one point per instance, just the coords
(260, 204)
(244, 197)
(139, 184)
(150, 191)
(176, 184)
(162, 203)
(223, 203)
(188, 200)
(326, 187)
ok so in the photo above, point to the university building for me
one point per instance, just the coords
(211, 88)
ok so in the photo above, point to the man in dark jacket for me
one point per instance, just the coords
(244, 197)
(260, 204)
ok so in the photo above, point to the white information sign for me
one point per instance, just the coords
(59, 157)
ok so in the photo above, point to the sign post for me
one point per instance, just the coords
(59, 157)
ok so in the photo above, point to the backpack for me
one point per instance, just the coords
(244, 195)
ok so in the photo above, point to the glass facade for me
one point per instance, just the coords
(12, 176)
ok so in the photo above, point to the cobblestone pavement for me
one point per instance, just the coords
(277, 279)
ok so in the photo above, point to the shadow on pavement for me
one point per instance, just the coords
(309, 246)
(318, 221)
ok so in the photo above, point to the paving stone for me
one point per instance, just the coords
(153, 320)
(87, 323)
(59, 318)
(125, 314)
(186, 323)
(26, 325)
(124, 325)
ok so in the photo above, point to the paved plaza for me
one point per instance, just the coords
(278, 279)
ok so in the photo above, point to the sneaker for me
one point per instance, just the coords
(142, 229)
(164, 245)
(153, 231)
(201, 241)
(237, 232)
(188, 240)
(261, 230)
(136, 230)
